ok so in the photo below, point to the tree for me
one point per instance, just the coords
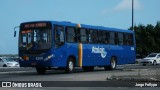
(147, 38)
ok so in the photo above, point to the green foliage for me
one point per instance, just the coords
(147, 38)
(8, 55)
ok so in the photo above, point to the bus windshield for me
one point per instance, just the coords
(35, 39)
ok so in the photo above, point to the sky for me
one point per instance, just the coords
(108, 13)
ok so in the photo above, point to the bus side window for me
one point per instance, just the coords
(124, 39)
(100, 35)
(103, 37)
(128, 39)
(93, 36)
(83, 35)
(71, 34)
(112, 38)
(106, 37)
(59, 36)
(120, 39)
(116, 38)
(131, 39)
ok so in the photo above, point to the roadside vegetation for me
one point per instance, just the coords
(8, 55)
(147, 38)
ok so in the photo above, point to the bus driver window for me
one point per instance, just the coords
(59, 36)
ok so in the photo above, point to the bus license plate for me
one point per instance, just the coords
(33, 64)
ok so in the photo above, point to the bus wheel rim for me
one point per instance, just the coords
(113, 63)
(71, 65)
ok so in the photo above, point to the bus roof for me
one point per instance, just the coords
(90, 26)
(66, 23)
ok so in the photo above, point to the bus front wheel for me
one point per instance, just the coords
(70, 66)
(41, 70)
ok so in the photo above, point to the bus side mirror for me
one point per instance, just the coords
(15, 33)
(15, 30)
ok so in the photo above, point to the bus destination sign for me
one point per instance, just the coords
(35, 25)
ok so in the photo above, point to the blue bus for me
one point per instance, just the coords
(65, 45)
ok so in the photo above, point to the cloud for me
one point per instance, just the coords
(123, 5)
(127, 5)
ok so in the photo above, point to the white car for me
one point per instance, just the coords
(153, 58)
(8, 62)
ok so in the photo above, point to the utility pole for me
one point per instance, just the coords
(133, 15)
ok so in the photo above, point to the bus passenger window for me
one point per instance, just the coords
(103, 37)
(59, 36)
(131, 39)
(83, 35)
(128, 39)
(93, 37)
(120, 39)
(71, 34)
(112, 38)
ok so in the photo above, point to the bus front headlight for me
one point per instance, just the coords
(48, 57)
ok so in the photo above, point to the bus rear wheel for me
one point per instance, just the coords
(88, 68)
(113, 64)
(41, 70)
(70, 66)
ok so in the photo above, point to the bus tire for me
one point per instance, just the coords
(88, 68)
(41, 70)
(113, 64)
(70, 65)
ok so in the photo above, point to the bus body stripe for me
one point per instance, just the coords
(80, 53)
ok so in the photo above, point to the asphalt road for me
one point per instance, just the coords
(99, 74)
(96, 77)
